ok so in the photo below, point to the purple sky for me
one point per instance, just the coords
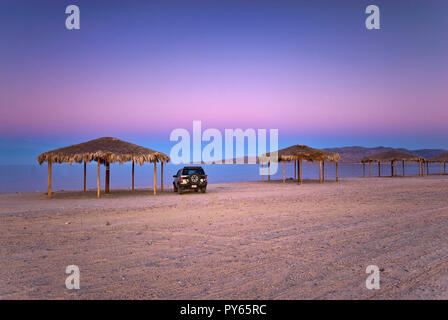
(138, 71)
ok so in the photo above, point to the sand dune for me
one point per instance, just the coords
(238, 241)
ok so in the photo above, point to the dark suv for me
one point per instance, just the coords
(190, 178)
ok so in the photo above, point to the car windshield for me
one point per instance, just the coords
(198, 171)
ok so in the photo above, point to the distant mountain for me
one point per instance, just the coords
(355, 154)
(429, 153)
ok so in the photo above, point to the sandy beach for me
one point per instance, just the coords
(248, 240)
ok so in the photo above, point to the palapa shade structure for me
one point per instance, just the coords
(442, 159)
(392, 156)
(104, 151)
(298, 153)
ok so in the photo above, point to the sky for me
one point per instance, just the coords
(137, 70)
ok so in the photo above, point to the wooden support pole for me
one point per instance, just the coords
(49, 179)
(363, 170)
(323, 171)
(295, 169)
(132, 175)
(440, 168)
(98, 179)
(379, 169)
(155, 177)
(161, 177)
(107, 178)
(427, 168)
(337, 171)
(370, 168)
(419, 168)
(444, 167)
(269, 170)
(283, 171)
(262, 173)
(391, 168)
(320, 171)
(402, 164)
(300, 171)
(85, 176)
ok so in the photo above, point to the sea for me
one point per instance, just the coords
(33, 178)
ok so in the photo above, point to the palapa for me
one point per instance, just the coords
(392, 156)
(298, 153)
(104, 151)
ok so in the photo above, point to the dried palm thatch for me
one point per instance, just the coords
(298, 152)
(392, 155)
(107, 150)
(332, 156)
(439, 158)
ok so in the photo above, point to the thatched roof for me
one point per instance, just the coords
(439, 158)
(392, 155)
(106, 149)
(297, 152)
(332, 156)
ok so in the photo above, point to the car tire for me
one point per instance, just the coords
(179, 190)
(174, 188)
(203, 190)
(194, 179)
